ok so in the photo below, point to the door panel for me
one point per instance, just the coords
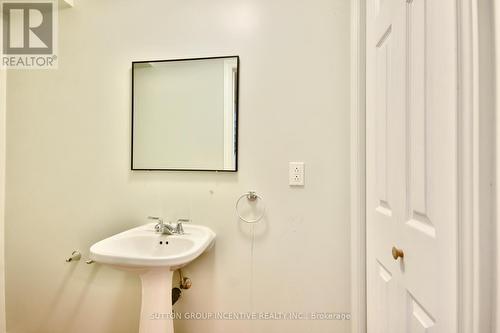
(383, 90)
(385, 290)
(419, 320)
(411, 165)
(417, 118)
(429, 235)
(385, 177)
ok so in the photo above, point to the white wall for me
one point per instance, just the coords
(69, 183)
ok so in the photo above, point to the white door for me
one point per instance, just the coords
(412, 166)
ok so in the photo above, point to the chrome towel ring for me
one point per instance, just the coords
(250, 196)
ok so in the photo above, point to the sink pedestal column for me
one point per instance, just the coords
(156, 309)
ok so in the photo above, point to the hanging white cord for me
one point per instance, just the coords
(251, 196)
(252, 246)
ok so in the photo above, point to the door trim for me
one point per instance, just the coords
(496, 19)
(470, 188)
(358, 152)
(3, 138)
(476, 166)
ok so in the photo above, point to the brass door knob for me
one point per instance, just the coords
(397, 253)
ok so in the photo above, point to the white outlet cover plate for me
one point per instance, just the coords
(296, 174)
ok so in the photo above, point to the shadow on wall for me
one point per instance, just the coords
(202, 294)
(49, 312)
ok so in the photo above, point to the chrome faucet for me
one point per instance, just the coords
(167, 228)
(161, 227)
(179, 229)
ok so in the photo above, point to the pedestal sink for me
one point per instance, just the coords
(154, 257)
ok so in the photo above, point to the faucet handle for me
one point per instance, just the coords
(159, 226)
(179, 228)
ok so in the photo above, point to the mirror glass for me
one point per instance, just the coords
(184, 114)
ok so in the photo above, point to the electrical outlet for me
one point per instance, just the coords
(296, 174)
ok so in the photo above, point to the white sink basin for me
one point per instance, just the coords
(154, 257)
(143, 247)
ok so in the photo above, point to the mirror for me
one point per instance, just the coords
(184, 114)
